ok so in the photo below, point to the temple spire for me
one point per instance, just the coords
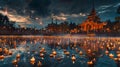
(93, 8)
(93, 5)
(52, 20)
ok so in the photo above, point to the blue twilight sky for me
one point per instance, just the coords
(38, 13)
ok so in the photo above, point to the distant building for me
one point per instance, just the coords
(92, 23)
(52, 27)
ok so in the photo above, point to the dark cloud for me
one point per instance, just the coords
(47, 7)
(72, 10)
(41, 6)
(77, 6)
(15, 4)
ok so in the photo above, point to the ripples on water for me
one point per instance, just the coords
(30, 46)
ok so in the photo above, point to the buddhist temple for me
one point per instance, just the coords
(92, 23)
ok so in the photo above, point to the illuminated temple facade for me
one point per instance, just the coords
(92, 23)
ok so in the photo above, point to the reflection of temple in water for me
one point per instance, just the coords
(92, 23)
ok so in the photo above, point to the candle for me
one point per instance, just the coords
(10, 52)
(39, 64)
(111, 56)
(106, 52)
(6, 51)
(32, 60)
(115, 59)
(89, 50)
(14, 62)
(67, 53)
(73, 59)
(59, 59)
(2, 57)
(0, 49)
(51, 55)
(54, 53)
(81, 53)
(89, 62)
(18, 56)
(42, 55)
(118, 55)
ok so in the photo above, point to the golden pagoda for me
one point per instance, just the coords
(92, 23)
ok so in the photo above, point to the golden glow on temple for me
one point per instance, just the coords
(92, 23)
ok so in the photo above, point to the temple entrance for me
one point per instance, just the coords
(88, 28)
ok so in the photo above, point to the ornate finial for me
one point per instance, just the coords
(52, 17)
(52, 20)
(93, 6)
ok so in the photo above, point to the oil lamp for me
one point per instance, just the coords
(15, 62)
(73, 58)
(119, 48)
(42, 55)
(118, 55)
(59, 59)
(10, 53)
(54, 53)
(39, 64)
(76, 49)
(42, 50)
(0, 49)
(111, 56)
(67, 53)
(115, 59)
(89, 62)
(81, 53)
(118, 52)
(106, 52)
(51, 55)
(18, 56)
(6, 51)
(89, 51)
(2, 57)
(32, 60)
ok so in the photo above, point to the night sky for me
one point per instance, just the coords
(37, 13)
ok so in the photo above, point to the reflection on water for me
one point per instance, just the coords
(59, 51)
